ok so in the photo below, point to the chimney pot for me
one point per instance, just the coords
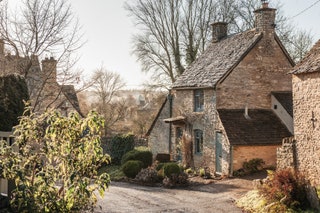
(265, 5)
(265, 18)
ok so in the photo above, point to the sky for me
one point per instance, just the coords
(108, 32)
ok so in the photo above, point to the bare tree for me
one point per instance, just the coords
(174, 32)
(297, 41)
(105, 86)
(36, 29)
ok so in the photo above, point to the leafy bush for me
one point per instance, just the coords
(141, 154)
(131, 168)
(190, 172)
(119, 145)
(171, 168)
(159, 166)
(249, 167)
(253, 165)
(147, 176)
(287, 187)
(71, 149)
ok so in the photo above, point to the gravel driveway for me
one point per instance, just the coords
(214, 197)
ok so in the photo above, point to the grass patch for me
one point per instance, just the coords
(253, 202)
(114, 171)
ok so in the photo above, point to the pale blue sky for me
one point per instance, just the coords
(108, 31)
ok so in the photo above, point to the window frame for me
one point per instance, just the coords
(198, 99)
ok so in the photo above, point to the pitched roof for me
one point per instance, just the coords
(70, 93)
(310, 63)
(285, 99)
(262, 128)
(218, 59)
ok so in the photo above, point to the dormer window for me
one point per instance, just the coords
(198, 100)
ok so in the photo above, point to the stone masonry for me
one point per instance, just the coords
(306, 108)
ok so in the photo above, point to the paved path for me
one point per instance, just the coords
(215, 197)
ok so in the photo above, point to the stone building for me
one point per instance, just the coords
(44, 90)
(230, 101)
(306, 108)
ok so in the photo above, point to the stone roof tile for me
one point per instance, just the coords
(310, 63)
(263, 127)
(218, 59)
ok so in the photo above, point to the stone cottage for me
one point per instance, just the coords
(44, 90)
(306, 108)
(231, 101)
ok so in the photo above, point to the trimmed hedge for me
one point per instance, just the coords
(119, 145)
(170, 169)
(143, 155)
(131, 168)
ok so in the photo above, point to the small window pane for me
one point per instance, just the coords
(198, 100)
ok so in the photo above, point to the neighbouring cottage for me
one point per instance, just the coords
(233, 102)
(44, 90)
(306, 108)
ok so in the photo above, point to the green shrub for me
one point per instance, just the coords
(119, 145)
(71, 149)
(171, 168)
(160, 166)
(253, 165)
(131, 168)
(141, 154)
(286, 186)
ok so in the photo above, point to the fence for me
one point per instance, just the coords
(4, 188)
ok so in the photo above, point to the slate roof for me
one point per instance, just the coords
(263, 127)
(218, 60)
(285, 99)
(310, 63)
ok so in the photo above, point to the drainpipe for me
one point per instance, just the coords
(170, 98)
(231, 161)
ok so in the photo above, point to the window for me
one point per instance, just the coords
(198, 100)
(198, 141)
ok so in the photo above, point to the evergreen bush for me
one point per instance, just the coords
(131, 168)
(170, 169)
(141, 154)
(119, 145)
(13, 91)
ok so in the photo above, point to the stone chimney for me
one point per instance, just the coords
(265, 18)
(219, 31)
(49, 70)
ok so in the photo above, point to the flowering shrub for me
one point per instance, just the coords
(288, 187)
